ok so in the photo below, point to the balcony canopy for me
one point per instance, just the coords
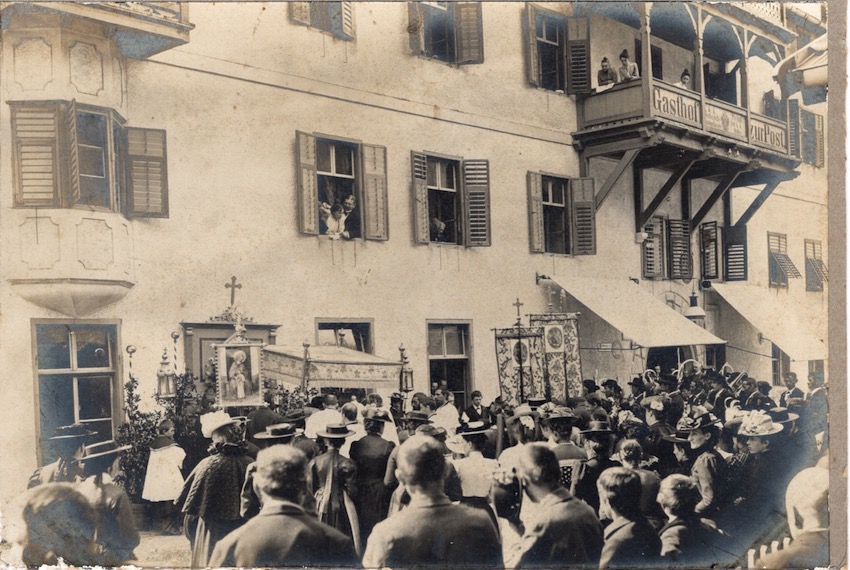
(329, 367)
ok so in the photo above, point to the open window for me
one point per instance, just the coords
(336, 18)
(816, 272)
(68, 155)
(349, 333)
(666, 252)
(451, 198)
(342, 188)
(557, 51)
(780, 266)
(447, 31)
(562, 214)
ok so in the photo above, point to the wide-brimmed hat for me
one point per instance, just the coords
(523, 410)
(637, 381)
(677, 437)
(590, 385)
(214, 420)
(536, 402)
(610, 383)
(335, 431)
(473, 428)
(71, 432)
(782, 415)
(597, 427)
(656, 403)
(377, 415)
(559, 414)
(103, 449)
(757, 424)
(733, 425)
(416, 416)
(279, 431)
(713, 376)
(702, 421)
(668, 380)
(295, 415)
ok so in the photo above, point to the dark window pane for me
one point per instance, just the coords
(554, 226)
(92, 161)
(323, 156)
(450, 180)
(435, 341)
(94, 343)
(442, 211)
(91, 129)
(95, 394)
(431, 177)
(455, 340)
(344, 160)
(439, 34)
(53, 347)
(102, 429)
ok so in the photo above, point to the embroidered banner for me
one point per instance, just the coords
(562, 364)
(519, 359)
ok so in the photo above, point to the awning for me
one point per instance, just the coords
(633, 311)
(329, 367)
(776, 320)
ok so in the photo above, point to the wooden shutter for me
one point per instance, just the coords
(308, 192)
(735, 253)
(770, 106)
(347, 9)
(679, 258)
(415, 27)
(476, 191)
(375, 215)
(578, 55)
(536, 230)
(794, 131)
(69, 148)
(36, 147)
(652, 253)
(709, 251)
(147, 192)
(299, 12)
(583, 200)
(421, 227)
(820, 148)
(532, 57)
(469, 33)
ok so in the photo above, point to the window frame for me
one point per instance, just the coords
(303, 13)
(464, 31)
(780, 267)
(467, 357)
(665, 237)
(369, 322)
(75, 372)
(579, 214)
(816, 270)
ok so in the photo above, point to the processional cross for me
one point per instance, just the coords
(518, 305)
(233, 286)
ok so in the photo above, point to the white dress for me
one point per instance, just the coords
(163, 480)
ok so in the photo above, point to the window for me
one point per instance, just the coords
(557, 51)
(780, 266)
(816, 273)
(780, 364)
(709, 252)
(447, 31)
(734, 250)
(350, 174)
(657, 55)
(806, 134)
(68, 155)
(562, 214)
(816, 366)
(451, 199)
(352, 334)
(77, 379)
(336, 18)
(449, 359)
(666, 251)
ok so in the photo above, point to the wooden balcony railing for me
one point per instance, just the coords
(635, 100)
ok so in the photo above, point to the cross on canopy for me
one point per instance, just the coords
(233, 286)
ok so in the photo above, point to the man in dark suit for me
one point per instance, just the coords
(567, 532)
(476, 412)
(431, 531)
(630, 541)
(283, 533)
(790, 380)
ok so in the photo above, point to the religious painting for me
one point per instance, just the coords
(238, 380)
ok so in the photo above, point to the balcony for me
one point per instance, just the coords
(703, 120)
(139, 29)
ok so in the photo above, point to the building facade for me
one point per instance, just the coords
(151, 152)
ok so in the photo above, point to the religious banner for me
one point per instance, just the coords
(562, 365)
(519, 359)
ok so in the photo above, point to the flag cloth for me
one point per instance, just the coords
(561, 361)
(519, 359)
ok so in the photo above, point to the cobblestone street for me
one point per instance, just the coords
(157, 551)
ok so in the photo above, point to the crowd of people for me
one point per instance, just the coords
(688, 470)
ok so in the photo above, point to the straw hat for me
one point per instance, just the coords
(700, 422)
(521, 411)
(335, 431)
(782, 415)
(559, 414)
(758, 424)
(102, 449)
(214, 420)
(279, 431)
(598, 427)
(473, 428)
(71, 432)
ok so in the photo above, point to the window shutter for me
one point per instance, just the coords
(735, 253)
(147, 174)
(652, 253)
(583, 201)
(820, 149)
(536, 231)
(680, 260)
(347, 9)
(376, 218)
(794, 130)
(814, 255)
(415, 27)
(36, 132)
(476, 189)
(578, 55)
(421, 227)
(532, 59)
(299, 12)
(308, 193)
(69, 130)
(709, 252)
(469, 33)
(770, 106)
